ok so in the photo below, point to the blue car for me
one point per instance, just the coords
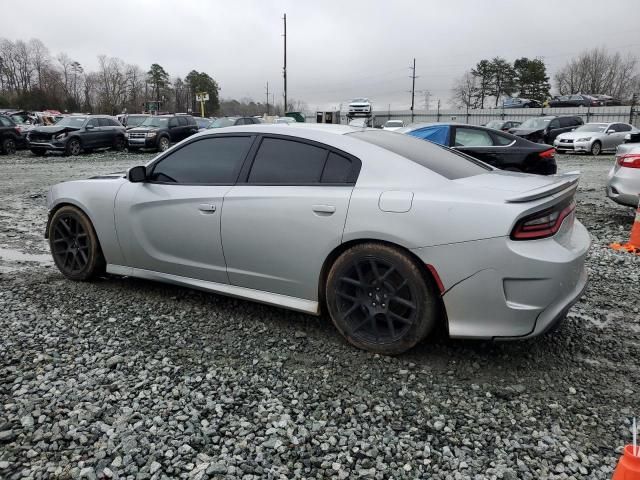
(499, 149)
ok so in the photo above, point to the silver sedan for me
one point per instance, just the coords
(393, 235)
(593, 138)
(623, 186)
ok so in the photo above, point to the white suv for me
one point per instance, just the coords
(360, 106)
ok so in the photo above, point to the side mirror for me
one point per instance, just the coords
(89, 127)
(137, 174)
(610, 131)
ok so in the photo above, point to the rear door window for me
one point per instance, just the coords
(287, 162)
(104, 122)
(472, 137)
(337, 169)
(93, 122)
(173, 122)
(182, 121)
(441, 160)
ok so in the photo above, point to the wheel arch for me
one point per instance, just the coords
(70, 203)
(426, 272)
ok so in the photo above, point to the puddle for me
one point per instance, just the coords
(11, 255)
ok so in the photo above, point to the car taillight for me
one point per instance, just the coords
(18, 131)
(631, 160)
(548, 154)
(542, 224)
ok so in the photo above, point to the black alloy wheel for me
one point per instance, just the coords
(9, 146)
(379, 300)
(73, 147)
(163, 144)
(74, 244)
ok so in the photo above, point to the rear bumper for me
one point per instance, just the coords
(623, 186)
(499, 288)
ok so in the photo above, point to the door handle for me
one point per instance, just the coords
(207, 207)
(324, 209)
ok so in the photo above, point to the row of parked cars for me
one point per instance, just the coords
(576, 100)
(72, 134)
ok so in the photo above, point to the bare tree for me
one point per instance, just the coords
(598, 71)
(112, 83)
(465, 90)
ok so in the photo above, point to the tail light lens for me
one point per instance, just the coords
(631, 160)
(548, 154)
(543, 224)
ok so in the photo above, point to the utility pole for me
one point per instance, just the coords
(413, 86)
(284, 72)
(267, 98)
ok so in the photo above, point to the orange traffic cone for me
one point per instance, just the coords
(629, 465)
(633, 245)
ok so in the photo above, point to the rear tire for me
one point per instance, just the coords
(9, 146)
(596, 148)
(74, 245)
(379, 300)
(119, 144)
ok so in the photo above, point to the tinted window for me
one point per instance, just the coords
(337, 169)
(210, 160)
(104, 122)
(94, 122)
(440, 160)
(287, 162)
(173, 122)
(622, 127)
(501, 140)
(182, 121)
(472, 137)
(554, 124)
(5, 122)
(437, 134)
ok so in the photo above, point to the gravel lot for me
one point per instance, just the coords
(123, 378)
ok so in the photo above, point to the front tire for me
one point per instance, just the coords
(73, 147)
(9, 146)
(74, 245)
(596, 148)
(379, 300)
(163, 144)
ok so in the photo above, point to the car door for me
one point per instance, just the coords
(173, 128)
(475, 142)
(171, 222)
(91, 136)
(107, 131)
(281, 223)
(617, 137)
(552, 131)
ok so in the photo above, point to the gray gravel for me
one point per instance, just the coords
(123, 378)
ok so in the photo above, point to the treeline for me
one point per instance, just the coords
(594, 71)
(31, 78)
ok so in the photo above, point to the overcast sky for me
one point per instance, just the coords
(337, 50)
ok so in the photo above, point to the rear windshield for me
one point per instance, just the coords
(441, 160)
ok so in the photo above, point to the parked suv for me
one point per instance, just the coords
(546, 129)
(160, 131)
(10, 136)
(76, 133)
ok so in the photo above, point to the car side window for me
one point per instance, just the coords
(214, 160)
(554, 124)
(4, 122)
(472, 137)
(103, 122)
(93, 122)
(501, 140)
(337, 169)
(622, 127)
(173, 122)
(114, 123)
(182, 121)
(287, 162)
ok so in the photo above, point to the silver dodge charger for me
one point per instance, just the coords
(390, 234)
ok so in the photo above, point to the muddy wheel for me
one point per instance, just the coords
(379, 300)
(9, 146)
(74, 245)
(73, 147)
(163, 144)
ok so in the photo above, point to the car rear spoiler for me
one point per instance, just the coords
(564, 182)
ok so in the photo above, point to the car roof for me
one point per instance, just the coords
(293, 129)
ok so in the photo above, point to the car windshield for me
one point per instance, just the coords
(21, 119)
(72, 121)
(359, 100)
(135, 120)
(440, 160)
(592, 127)
(155, 122)
(494, 124)
(393, 123)
(222, 122)
(536, 123)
